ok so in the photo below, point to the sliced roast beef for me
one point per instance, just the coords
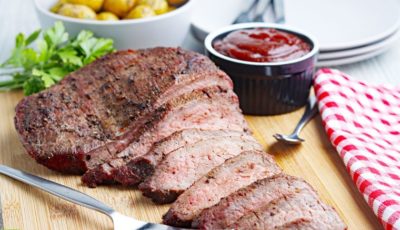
(287, 209)
(247, 200)
(106, 117)
(208, 108)
(182, 167)
(143, 166)
(93, 113)
(235, 173)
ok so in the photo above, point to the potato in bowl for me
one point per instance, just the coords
(114, 9)
(167, 29)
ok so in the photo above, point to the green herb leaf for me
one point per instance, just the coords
(83, 36)
(29, 58)
(32, 37)
(43, 51)
(55, 36)
(70, 56)
(98, 48)
(45, 77)
(14, 59)
(33, 85)
(57, 73)
(55, 57)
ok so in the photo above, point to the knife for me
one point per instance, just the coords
(120, 221)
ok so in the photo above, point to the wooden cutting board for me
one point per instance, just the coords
(315, 160)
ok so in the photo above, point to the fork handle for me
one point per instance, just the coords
(56, 189)
(309, 113)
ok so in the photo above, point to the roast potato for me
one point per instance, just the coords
(76, 11)
(176, 2)
(94, 4)
(141, 11)
(159, 6)
(107, 16)
(57, 6)
(118, 7)
(171, 8)
(114, 9)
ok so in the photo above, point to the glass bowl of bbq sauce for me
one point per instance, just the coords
(271, 65)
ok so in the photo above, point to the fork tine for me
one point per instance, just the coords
(245, 16)
(260, 16)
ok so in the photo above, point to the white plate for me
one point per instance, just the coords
(353, 59)
(210, 15)
(337, 24)
(361, 50)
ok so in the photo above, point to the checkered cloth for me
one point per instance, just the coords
(363, 123)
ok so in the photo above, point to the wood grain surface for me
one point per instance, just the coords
(25, 207)
(1, 215)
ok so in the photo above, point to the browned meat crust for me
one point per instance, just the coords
(93, 113)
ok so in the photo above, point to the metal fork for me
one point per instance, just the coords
(279, 11)
(260, 16)
(121, 222)
(245, 16)
(310, 111)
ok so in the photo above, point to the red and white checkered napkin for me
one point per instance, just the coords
(363, 123)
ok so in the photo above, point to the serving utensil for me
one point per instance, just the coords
(309, 113)
(260, 17)
(245, 16)
(121, 222)
(279, 11)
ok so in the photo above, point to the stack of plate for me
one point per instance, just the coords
(348, 31)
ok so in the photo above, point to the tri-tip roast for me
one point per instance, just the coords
(167, 120)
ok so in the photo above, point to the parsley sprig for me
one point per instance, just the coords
(55, 56)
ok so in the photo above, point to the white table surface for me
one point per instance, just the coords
(19, 16)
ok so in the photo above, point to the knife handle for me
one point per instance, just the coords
(56, 189)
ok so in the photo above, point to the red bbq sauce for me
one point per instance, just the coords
(262, 45)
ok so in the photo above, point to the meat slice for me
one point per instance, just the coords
(94, 113)
(235, 173)
(247, 200)
(290, 208)
(210, 108)
(143, 166)
(181, 168)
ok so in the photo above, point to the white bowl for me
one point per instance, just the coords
(163, 30)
